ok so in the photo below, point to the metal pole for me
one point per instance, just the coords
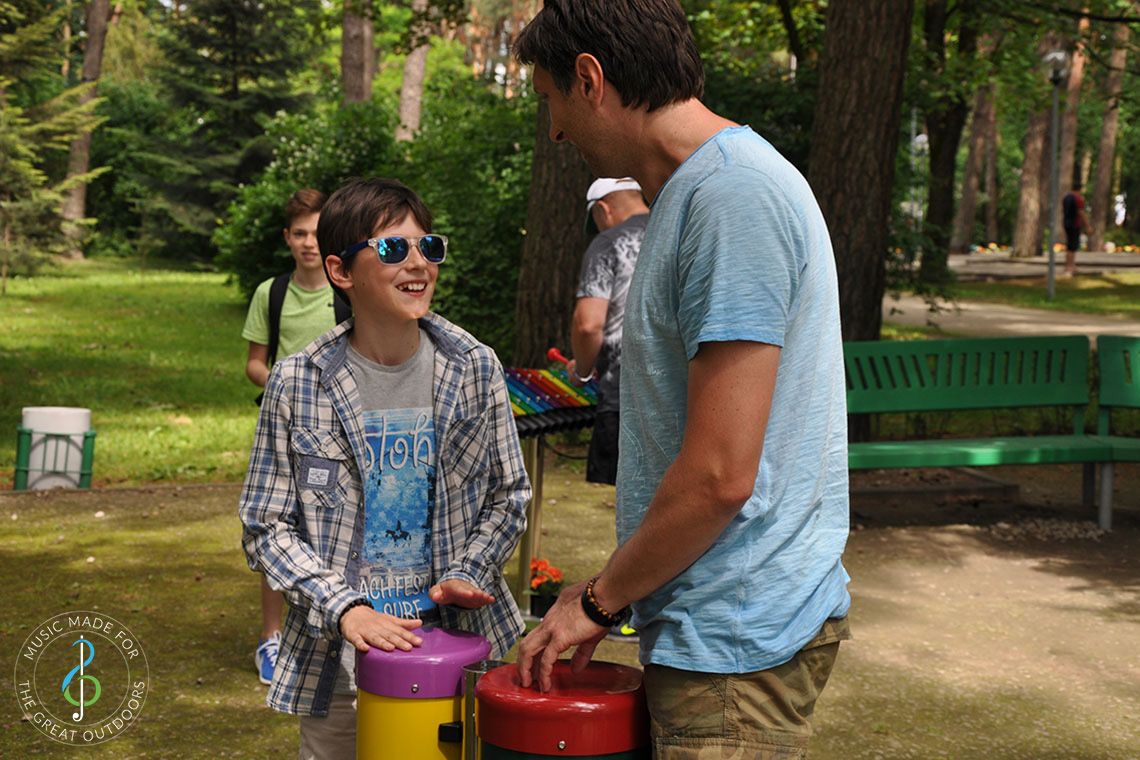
(1054, 182)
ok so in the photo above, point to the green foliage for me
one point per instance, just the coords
(34, 122)
(318, 149)
(471, 163)
(230, 65)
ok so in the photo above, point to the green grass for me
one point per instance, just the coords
(1110, 294)
(156, 355)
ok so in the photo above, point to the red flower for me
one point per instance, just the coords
(545, 578)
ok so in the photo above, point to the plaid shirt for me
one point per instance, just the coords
(308, 542)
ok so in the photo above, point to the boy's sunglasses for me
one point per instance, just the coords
(394, 249)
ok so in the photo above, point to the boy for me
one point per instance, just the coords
(386, 482)
(304, 310)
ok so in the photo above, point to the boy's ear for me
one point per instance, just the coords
(285, 234)
(337, 272)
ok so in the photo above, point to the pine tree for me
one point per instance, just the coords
(230, 65)
(35, 119)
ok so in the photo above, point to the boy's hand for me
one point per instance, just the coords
(364, 627)
(456, 593)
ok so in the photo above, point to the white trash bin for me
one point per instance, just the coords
(55, 448)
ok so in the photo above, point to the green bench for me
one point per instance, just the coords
(975, 373)
(1118, 359)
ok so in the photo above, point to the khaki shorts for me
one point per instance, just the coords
(764, 715)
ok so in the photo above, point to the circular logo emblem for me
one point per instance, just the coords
(81, 678)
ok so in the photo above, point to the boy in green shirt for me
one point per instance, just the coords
(306, 313)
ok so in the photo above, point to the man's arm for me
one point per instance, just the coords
(257, 364)
(587, 331)
(730, 391)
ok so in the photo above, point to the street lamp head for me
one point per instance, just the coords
(1057, 61)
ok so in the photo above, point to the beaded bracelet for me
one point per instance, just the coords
(597, 612)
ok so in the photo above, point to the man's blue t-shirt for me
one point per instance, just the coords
(737, 249)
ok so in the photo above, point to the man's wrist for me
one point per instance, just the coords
(594, 609)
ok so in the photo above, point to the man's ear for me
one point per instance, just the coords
(338, 272)
(285, 234)
(589, 78)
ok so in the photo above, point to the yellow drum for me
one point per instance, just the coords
(410, 704)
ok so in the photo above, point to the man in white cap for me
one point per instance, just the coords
(616, 210)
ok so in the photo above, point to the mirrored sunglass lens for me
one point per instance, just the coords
(433, 248)
(392, 250)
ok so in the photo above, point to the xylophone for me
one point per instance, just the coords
(546, 401)
(543, 401)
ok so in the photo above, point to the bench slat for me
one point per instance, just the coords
(960, 374)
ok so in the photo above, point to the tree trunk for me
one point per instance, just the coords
(1031, 213)
(991, 186)
(1100, 204)
(795, 45)
(412, 88)
(944, 125)
(552, 248)
(357, 52)
(1069, 119)
(964, 216)
(853, 147)
(79, 157)
(1030, 205)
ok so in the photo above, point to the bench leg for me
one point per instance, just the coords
(1105, 513)
(1088, 484)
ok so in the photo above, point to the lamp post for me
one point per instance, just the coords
(1056, 61)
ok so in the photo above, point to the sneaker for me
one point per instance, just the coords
(266, 658)
(623, 632)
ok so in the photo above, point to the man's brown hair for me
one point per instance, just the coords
(304, 201)
(645, 47)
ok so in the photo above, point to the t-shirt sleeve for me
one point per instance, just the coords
(597, 277)
(739, 261)
(256, 329)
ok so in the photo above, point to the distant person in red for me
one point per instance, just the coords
(1074, 219)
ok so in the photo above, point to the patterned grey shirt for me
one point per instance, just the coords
(607, 267)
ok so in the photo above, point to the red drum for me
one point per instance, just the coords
(598, 713)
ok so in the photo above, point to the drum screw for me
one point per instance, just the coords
(562, 745)
(415, 688)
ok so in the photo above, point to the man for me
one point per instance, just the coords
(1074, 220)
(732, 510)
(616, 210)
(305, 312)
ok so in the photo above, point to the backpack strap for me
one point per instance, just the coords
(341, 308)
(277, 293)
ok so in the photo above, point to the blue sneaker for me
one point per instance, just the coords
(266, 658)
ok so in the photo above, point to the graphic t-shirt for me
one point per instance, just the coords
(607, 267)
(398, 485)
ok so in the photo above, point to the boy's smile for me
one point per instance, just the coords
(393, 294)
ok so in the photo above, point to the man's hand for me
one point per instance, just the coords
(456, 593)
(572, 372)
(364, 627)
(564, 626)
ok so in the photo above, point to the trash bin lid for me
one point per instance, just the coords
(430, 671)
(599, 711)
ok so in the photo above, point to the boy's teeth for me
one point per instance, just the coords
(415, 287)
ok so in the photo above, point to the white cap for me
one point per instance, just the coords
(600, 189)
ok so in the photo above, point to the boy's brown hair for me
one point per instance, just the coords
(304, 201)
